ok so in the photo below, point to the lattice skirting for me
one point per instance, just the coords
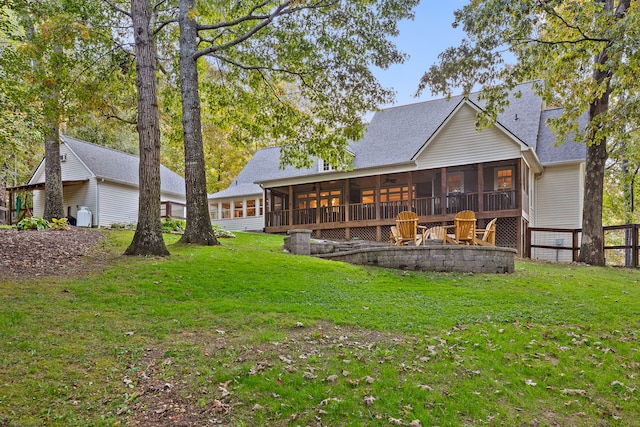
(507, 233)
(334, 234)
(367, 233)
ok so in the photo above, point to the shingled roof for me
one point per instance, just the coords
(117, 166)
(407, 128)
(550, 153)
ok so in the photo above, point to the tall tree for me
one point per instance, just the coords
(322, 49)
(48, 35)
(198, 229)
(586, 53)
(52, 46)
(147, 239)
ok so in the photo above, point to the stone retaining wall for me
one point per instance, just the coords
(463, 259)
(431, 257)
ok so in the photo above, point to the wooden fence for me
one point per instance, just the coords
(621, 243)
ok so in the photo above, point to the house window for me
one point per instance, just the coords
(251, 208)
(327, 198)
(237, 209)
(504, 179)
(214, 211)
(226, 210)
(368, 196)
(325, 166)
(307, 201)
(455, 182)
(387, 194)
(394, 194)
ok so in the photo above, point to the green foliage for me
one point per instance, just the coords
(304, 80)
(33, 223)
(219, 232)
(122, 226)
(172, 224)
(306, 338)
(59, 224)
(553, 41)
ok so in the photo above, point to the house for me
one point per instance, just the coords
(105, 181)
(427, 157)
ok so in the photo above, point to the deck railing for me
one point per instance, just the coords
(174, 210)
(362, 211)
(423, 206)
(500, 200)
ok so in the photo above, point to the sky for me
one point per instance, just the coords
(422, 39)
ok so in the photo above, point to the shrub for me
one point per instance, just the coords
(171, 224)
(221, 232)
(60, 224)
(122, 226)
(33, 223)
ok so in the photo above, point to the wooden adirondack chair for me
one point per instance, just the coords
(488, 234)
(464, 229)
(438, 233)
(406, 230)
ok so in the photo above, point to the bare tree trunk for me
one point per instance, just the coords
(592, 246)
(198, 230)
(53, 206)
(147, 239)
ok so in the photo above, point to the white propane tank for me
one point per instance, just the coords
(84, 217)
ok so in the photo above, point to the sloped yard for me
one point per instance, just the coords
(244, 334)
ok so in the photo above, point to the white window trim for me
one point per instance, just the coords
(495, 177)
(322, 164)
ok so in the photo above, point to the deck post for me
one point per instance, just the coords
(443, 187)
(480, 187)
(290, 205)
(410, 191)
(634, 245)
(378, 185)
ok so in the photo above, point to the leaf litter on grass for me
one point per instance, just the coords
(325, 374)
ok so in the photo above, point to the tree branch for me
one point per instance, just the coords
(259, 68)
(119, 9)
(163, 24)
(281, 10)
(121, 119)
(248, 17)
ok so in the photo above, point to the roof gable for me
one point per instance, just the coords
(113, 165)
(121, 167)
(458, 142)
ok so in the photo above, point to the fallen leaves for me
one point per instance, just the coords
(574, 392)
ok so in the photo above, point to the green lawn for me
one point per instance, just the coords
(245, 335)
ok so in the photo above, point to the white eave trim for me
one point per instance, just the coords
(336, 175)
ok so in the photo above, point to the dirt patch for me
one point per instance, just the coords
(166, 394)
(30, 253)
